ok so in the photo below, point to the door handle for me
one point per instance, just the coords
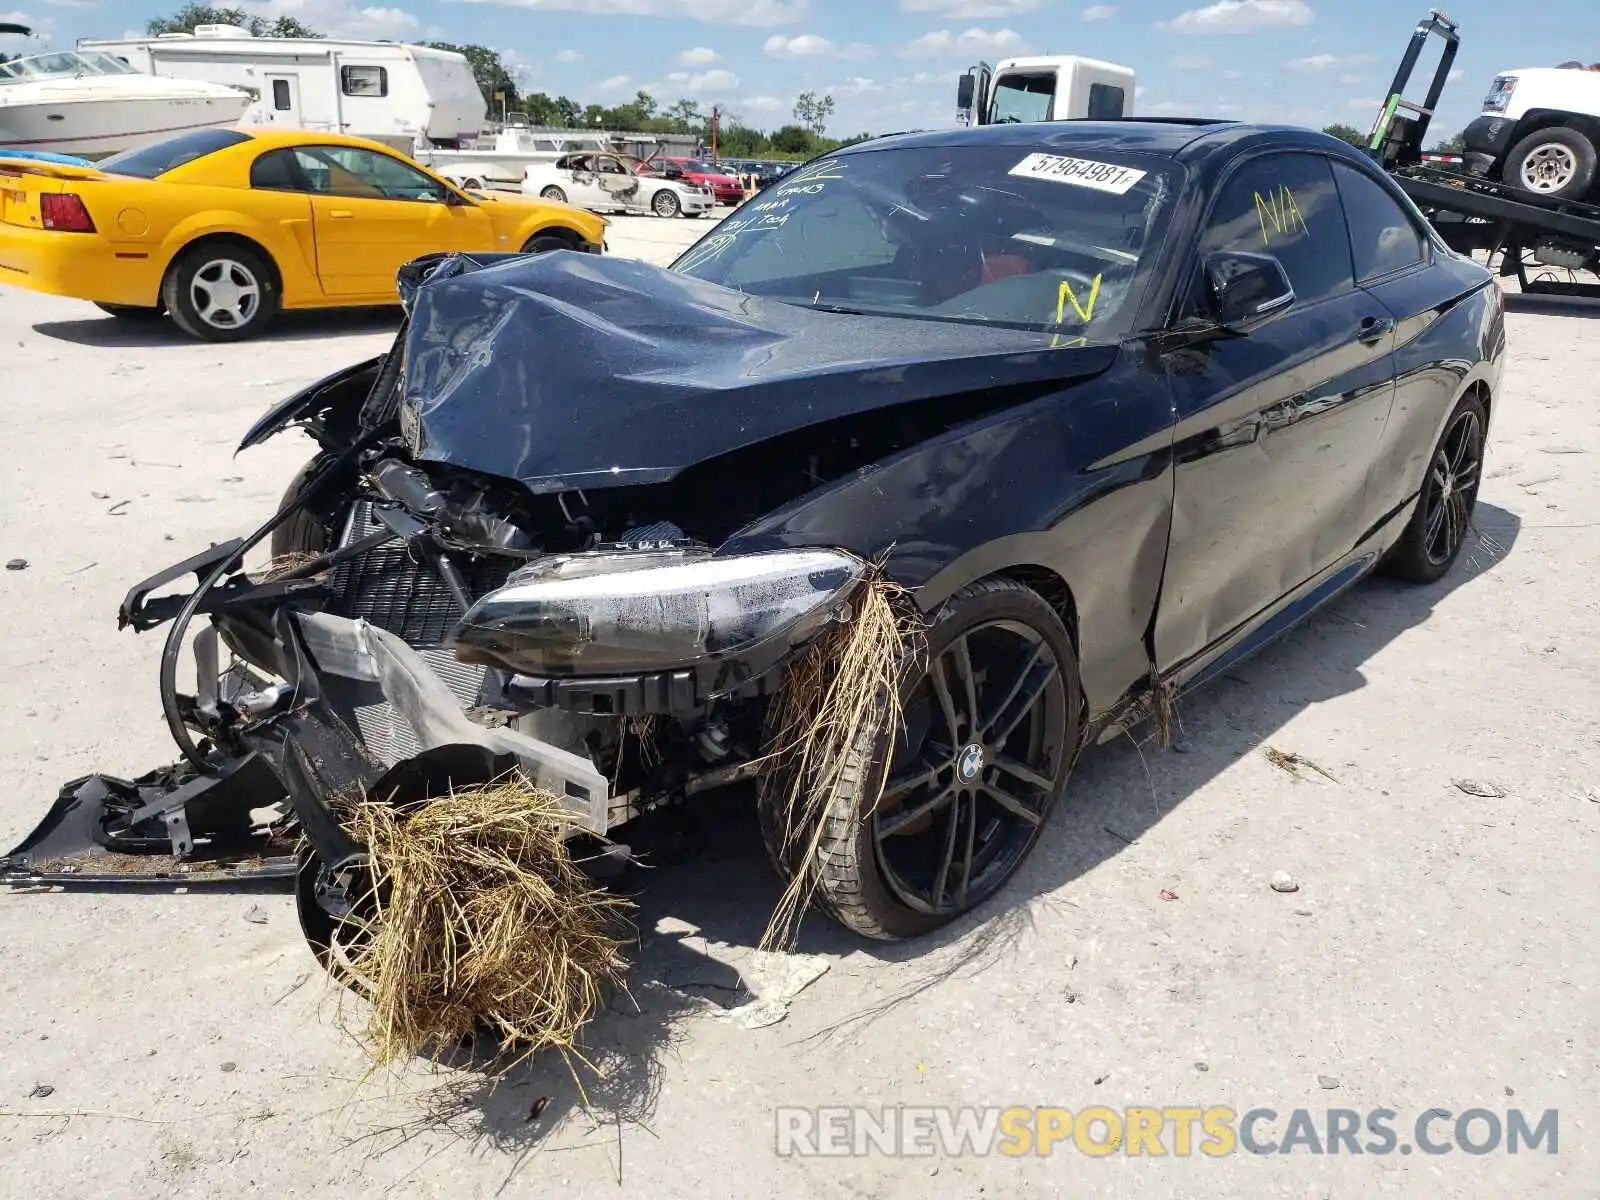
(340, 212)
(1375, 329)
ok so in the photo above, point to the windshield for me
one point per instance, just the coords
(165, 156)
(1023, 98)
(972, 233)
(63, 65)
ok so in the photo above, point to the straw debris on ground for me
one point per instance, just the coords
(841, 695)
(480, 919)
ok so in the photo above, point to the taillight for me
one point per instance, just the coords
(64, 211)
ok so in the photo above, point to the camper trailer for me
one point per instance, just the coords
(395, 93)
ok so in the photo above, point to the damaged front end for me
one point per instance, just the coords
(420, 625)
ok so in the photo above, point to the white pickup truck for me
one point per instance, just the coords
(1539, 131)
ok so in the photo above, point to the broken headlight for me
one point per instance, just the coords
(643, 611)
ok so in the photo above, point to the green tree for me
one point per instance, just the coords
(542, 109)
(490, 73)
(685, 116)
(1451, 145)
(793, 139)
(190, 15)
(1345, 133)
(813, 111)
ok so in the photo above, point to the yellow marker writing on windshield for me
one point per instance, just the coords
(1085, 311)
(1057, 344)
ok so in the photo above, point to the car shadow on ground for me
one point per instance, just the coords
(708, 893)
(115, 333)
(1553, 306)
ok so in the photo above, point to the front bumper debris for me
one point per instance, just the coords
(297, 755)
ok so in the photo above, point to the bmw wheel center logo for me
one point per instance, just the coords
(970, 764)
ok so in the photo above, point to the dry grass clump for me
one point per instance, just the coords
(837, 702)
(479, 918)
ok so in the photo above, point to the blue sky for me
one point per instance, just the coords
(891, 64)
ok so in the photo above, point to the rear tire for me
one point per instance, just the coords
(132, 312)
(1557, 163)
(871, 888)
(472, 184)
(1438, 527)
(554, 193)
(665, 203)
(220, 292)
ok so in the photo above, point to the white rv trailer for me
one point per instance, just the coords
(392, 92)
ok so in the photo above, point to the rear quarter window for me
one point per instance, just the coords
(1383, 238)
(153, 161)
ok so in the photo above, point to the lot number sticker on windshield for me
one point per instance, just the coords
(1080, 172)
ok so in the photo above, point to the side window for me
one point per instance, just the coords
(364, 174)
(1105, 102)
(1286, 205)
(1382, 237)
(280, 95)
(274, 171)
(357, 80)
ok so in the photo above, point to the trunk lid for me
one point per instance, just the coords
(23, 181)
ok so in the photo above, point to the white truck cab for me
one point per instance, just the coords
(1050, 87)
(1539, 131)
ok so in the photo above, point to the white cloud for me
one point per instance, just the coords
(1351, 78)
(519, 68)
(971, 41)
(1240, 16)
(1314, 62)
(568, 56)
(1138, 93)
(1323, 62)
(970, 10)
(856, 86)
(341, 18)
(712, 12)
(764, 104)
(1100, 12)
(1233, 74)
(1456, 75)
(809, 45)
(1369, 105)
(613, 84)
(1192, 62)
(708, 81)
(697, 56)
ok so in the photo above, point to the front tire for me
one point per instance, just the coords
(554, 193)
(220, 292)
(541, 243)
(966, 793)
(1557, 163)
(1438, 527)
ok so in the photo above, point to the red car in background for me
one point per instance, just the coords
(724, 187)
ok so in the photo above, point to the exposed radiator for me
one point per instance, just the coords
(390, 589)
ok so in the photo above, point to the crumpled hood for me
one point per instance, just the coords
(567, 370)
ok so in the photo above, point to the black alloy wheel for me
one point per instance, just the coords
(974, 776)
(987, 736)
(1438, 528)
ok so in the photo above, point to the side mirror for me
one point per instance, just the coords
(966, 87)
(1245, 291)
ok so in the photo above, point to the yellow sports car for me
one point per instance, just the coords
(222, 228)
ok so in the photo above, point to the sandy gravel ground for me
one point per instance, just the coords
(1441, 949)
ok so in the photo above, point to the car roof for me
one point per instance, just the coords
(1175, 137)
(306, 137)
